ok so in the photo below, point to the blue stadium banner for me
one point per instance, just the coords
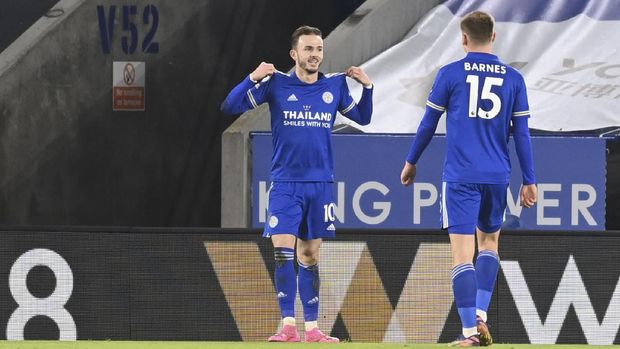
(570, 173)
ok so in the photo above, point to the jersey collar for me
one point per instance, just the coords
(482, 55)
(294, 76)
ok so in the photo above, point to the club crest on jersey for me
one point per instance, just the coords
(328, 97)
(273, 221)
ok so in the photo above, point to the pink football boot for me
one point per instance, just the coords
(315, 335)
(287, 334)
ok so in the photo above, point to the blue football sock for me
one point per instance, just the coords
(309, 284)
(285, 280)
(464, 287)
(487, 265)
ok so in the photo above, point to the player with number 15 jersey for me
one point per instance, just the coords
(485, 101)
(481, 96)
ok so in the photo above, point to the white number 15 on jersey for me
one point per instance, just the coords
(489, 82)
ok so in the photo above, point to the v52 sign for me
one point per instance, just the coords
(130, 29)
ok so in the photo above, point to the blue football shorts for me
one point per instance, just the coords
(465, 206)
(303, 209)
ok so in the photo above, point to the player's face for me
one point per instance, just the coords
(308, 54)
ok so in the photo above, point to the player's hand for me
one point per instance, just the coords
(263, 70)
(358, 74)
(529, 195)
(408, 174)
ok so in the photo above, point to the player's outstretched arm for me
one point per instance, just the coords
(239, 99)
(407, 176)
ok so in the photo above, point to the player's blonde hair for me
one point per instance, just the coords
(479, 27)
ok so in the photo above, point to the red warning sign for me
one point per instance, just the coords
(128, 91)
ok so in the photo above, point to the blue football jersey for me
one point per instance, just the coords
(302, 117)
(480, 95)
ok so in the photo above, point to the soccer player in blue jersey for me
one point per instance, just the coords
(485, 101)
(303, 106)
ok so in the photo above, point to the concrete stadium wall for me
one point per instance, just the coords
(68, 159)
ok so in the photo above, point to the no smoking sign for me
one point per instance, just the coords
(128, 85)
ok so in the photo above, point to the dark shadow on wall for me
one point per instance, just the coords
(17, 16)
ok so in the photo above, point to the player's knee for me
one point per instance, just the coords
(308, 258)
(309, 261)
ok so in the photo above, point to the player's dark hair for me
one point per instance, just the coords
(303, 30)
(479, 27)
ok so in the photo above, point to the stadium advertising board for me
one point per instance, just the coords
(570, 173)
(377, 286)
